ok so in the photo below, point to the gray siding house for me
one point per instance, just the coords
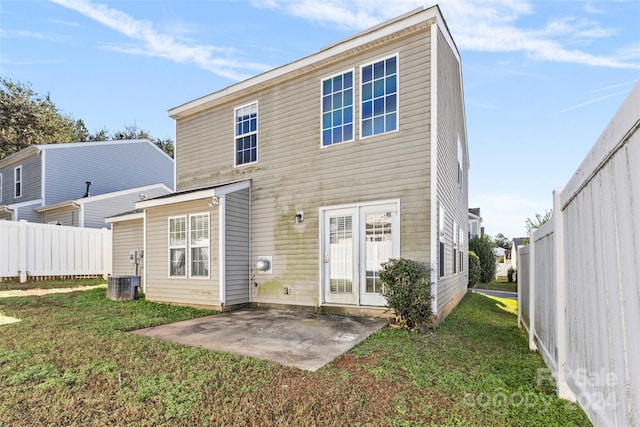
(295, 185)
(42, 176)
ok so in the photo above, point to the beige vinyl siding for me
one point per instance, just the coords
(67, 215)
(162, 288)
(237, 252)
(453, 198)
(127, 236)
(294, 173)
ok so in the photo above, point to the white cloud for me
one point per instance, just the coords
(154, 43)
(487, 26)
(20, 34)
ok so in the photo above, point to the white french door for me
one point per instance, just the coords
(355, 241)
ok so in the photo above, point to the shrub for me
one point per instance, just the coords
(407, 289)
(475, 271)
(510, 273)
(483, 247)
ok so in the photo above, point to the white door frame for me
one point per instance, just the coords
(358, 212)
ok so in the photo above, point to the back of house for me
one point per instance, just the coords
(295, 185)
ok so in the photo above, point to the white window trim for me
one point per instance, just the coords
(397, 129)
(355, 103)
(190, 245)
(235, 110)
(17, 181)
(185, 246)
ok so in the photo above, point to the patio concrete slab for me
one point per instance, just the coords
(303, 340)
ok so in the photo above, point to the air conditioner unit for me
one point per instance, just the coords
(122, 288)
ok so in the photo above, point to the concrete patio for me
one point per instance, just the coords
(303, 340)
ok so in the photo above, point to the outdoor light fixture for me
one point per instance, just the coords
(215, 201)
(299, 217)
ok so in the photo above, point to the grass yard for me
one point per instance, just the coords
(499, 284)
(71, 361)
(14, 285)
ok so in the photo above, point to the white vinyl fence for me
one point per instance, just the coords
(41, 250)
(579, 278)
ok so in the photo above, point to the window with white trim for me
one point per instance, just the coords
(379, 94)
(177, 246)
(199, 245)
(455, 247)
(337, 109)
(17, 181)
(460, 246)
(246, 134)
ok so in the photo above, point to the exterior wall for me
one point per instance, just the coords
(237, 250)
(159, 286)
(451, 194)
(25, 211)
(65, 215)
(95, 211)
(110, 166)
(31, 171)
(127, 236)
(294, 173)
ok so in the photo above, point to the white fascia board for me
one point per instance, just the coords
(23, 204)
(378, 32)
(67, 204)
(104, 196)
(195, 195)
(92, 144)
(124, 217)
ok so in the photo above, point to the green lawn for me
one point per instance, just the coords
(71, 361)
(499, 284)
(50, 284)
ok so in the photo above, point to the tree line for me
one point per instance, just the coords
(28, 118)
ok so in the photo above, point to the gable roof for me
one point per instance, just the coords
(404, 22)
(35, 149)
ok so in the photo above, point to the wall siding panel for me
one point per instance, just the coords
(237, 251)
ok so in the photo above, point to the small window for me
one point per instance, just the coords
(337, 109)
(177, 246)
(17, 180)
(379, 93)
(199, 245)
(246, 131)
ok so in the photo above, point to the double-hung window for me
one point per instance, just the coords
(199, 244)
(17, 181)
(337, 109)
(379, 93)
(189, 246)
(246, 134)
(177, 246)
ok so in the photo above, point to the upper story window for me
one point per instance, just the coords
(246, 134)
(17, 180)
(379, 92)
(337, 109)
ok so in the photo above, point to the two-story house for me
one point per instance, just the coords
(295, 185)
(81, 183)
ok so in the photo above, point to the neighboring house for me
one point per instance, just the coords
(295, 185)
(91, 211)
(475, 223)
(515, 246)
(45, 175)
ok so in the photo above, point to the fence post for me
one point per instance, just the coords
(22, 242)
(564, 392)
(532, 290)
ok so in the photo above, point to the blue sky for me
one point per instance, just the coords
(542, 79)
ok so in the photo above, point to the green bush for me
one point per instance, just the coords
(510, 274)
(475, 271)
(483, 247)
(407, 289)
